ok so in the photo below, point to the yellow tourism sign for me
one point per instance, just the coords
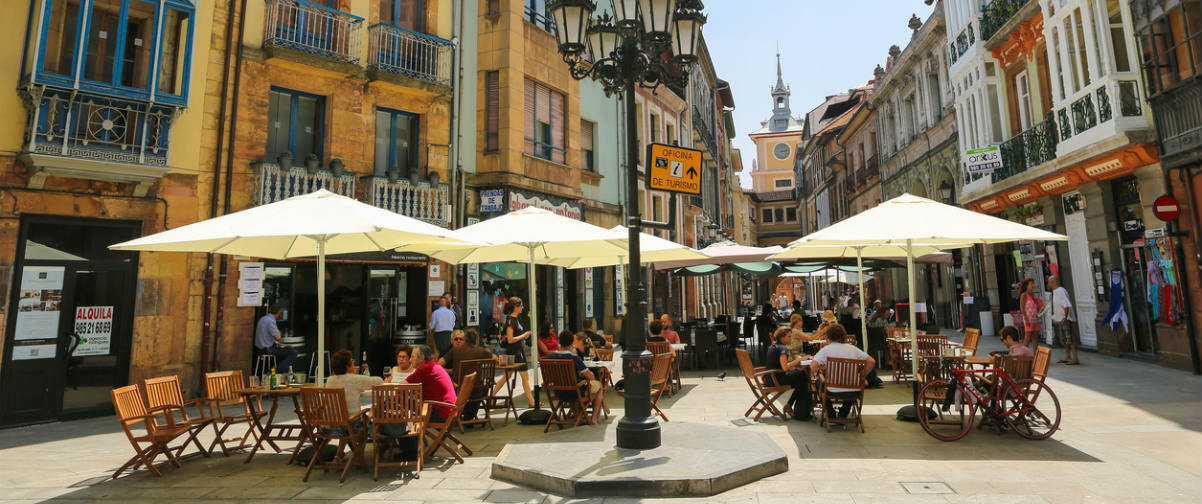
(674, 169)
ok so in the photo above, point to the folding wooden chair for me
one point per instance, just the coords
(843, 374)
(763, 385)
(441, 435)
(164, 392)
(1043, 358)
(663, 347)
(326, 420)
(486, 377)
(221, 390)
(661, 369)
(127, 402)
(397, 404)
(559, 375)
(972, 339)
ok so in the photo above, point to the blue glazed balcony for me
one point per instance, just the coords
(91, 136)
(406, 53)
(315, 30)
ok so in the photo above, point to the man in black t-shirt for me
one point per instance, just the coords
(594, 338)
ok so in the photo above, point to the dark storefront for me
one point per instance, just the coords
(68, 341)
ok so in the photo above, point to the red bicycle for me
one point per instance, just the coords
(1027, 406)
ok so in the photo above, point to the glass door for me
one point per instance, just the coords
(91, 355)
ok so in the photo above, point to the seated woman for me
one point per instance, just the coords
(547, 339)
(797, 335)
(790, 372)
(404, 365)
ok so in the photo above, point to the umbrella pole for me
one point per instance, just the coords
(863, 305)
(321, 312)
(536, 415)
(913, 321)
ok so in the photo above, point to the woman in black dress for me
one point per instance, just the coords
(790, 372)
(514, 338)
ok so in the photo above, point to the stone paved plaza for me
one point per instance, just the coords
(1130, 433)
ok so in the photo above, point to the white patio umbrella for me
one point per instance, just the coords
(907, 224)
(724, 253)
(533, 236)
(315, 224)
(651, 249)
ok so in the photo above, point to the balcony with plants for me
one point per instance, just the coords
(283, 179)
(963, 41)
(313, 34)
(997, 13)
(1111, 106)
(418, 59)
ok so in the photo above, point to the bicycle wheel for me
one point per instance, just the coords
(1035, 414)
(947, 425)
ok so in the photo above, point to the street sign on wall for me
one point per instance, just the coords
(1166, 208)
(674, 169)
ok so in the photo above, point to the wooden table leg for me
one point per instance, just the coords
(264, 431)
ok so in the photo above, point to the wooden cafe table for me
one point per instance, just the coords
(272, 431)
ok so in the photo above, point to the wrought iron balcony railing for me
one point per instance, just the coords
(1178, 114)
(273, 183)
(964, 40)
(1094, 106)
(996, 14)
(404, 52)
(1027, 150)
(103, 128)
(421, 200)
(314, 29)
(541, 19)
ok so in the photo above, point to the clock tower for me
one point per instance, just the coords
(776, 141)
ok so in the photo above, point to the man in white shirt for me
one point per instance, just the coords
(1062, 321)
(840, 350)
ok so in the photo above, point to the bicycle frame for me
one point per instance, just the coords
(1004, 385)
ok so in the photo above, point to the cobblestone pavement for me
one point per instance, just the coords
(1131, 432)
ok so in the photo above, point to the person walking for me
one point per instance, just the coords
(1032, 309)
(1063, 320)
(442, 322)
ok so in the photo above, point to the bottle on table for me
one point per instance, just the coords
(364, 371)
(274, 379)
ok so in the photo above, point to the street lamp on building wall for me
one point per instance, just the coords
(945, 192)
(645, 43)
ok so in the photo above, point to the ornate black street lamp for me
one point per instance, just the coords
(645, 43)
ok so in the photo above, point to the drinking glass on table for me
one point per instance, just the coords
(387, 372)
(254, 381)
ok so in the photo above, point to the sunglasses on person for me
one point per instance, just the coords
(456, 339)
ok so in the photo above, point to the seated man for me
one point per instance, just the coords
(840, 350)
(567, 343)
(436, 383)
(595, 339)
(267, 339)
(656, 329)
(345, 376)
(463, 347)
(667, 332)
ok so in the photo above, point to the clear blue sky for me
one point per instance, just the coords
(826, 46)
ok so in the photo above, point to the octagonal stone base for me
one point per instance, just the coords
(694, 460)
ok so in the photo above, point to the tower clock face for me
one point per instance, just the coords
(781, 151)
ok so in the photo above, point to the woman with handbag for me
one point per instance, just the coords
(1032, 310)
(514, 339)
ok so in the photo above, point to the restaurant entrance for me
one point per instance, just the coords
(68, 339)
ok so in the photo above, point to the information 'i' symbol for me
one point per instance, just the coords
(677, 168)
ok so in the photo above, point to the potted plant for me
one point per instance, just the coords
(337, 167)
(394, 173)
(415, 175)
(285, 160)
(312, 163)
(434, 176)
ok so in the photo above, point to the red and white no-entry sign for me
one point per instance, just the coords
(1166, 208)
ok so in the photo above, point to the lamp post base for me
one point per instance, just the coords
(638, 433)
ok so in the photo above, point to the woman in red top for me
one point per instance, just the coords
(1031, 308)
(436, 383)
(548, 340)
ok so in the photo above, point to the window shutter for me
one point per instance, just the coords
(558, 127)
(586, 135)
(531, 100)
(493, 110)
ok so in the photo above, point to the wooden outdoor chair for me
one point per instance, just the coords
(663, 347)
(130, 409)
(660, 370)
(439, 433)
(605, 354)
(559, 375)
(1043, 359)
(972, 339)
(609, 339)
(763, 386)
(486, 378)
(327, 420)
(221, 390)
(164, 392)
(1017, 368)
(843, 374)
(397, 404)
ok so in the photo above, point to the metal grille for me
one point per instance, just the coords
(408, 53)
(313, 29)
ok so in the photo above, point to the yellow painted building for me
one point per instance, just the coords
(103, 141)
(776, 149)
